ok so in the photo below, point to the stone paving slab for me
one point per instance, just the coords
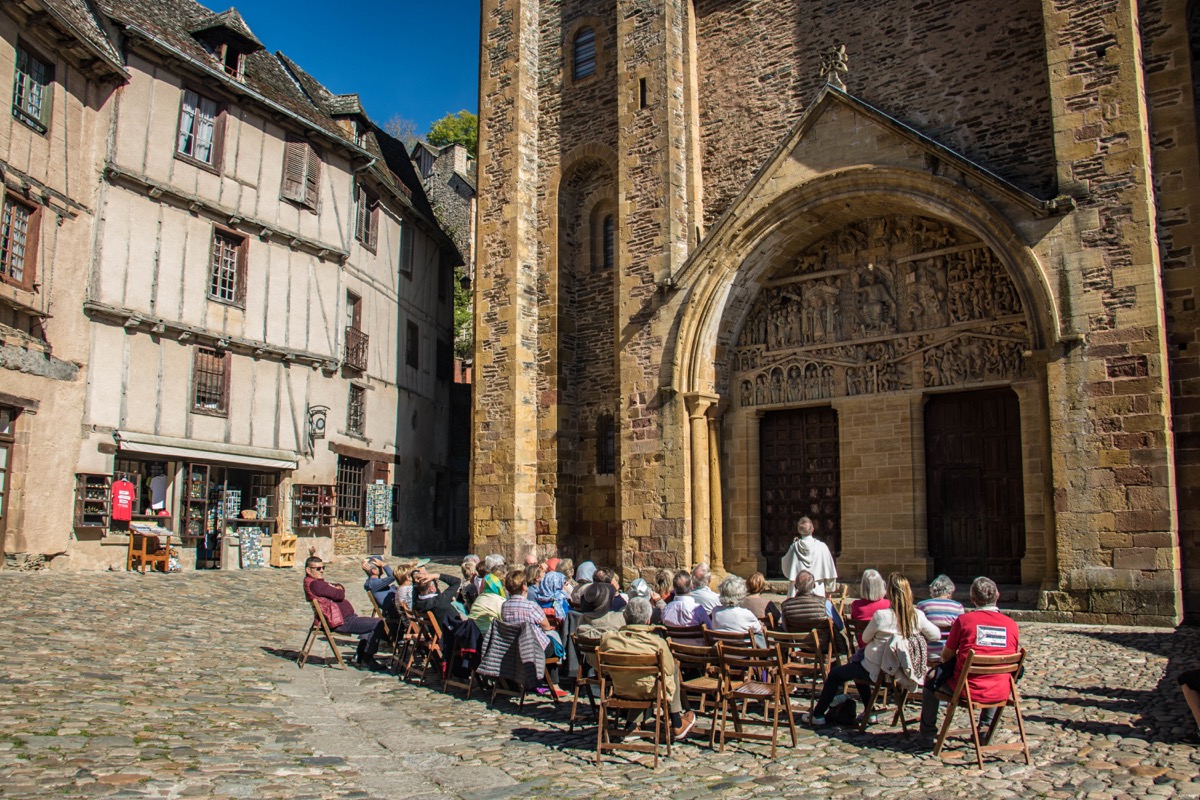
(170, 686)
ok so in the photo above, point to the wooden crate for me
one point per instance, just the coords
(283, 550)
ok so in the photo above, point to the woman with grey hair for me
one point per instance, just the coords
(941, 609)
(871, 590)
(730, 615)
(472, 580)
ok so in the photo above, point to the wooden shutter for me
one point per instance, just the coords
(373, 222)
(243, 246)
(312, 178)
(294, 163)
(360, 214)
(218, 158)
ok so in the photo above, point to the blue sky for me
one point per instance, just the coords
(415, 60)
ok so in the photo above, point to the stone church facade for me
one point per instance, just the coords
(936, 291)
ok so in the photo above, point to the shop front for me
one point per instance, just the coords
(221, 503)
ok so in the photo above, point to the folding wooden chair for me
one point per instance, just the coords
(687, 634)
(389, 629)
(318, 627)
(704, 663)
(408, 631)
(753, 674)
(736, 638)
(977, 665)
(878, 696)
(856, 629)
(427, 647)
(585, 675)
(449, 679)
(804, 660)
(631, 667)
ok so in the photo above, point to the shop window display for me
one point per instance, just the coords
(234, 505)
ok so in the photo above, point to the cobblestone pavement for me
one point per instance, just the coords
(122, 685)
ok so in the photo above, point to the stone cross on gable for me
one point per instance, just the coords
(835, 65)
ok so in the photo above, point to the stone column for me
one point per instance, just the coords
(504, 461)
(1113, 451)
(698, 405)
(717, 549)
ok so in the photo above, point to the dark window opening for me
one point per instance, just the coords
(585, 53)
(610, 235)
(412, 349)
(606, 445)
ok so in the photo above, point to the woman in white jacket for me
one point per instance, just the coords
(888, 627)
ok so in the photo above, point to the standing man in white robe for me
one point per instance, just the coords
(809, 553)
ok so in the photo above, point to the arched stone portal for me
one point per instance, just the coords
(833, 315)
(885, 307)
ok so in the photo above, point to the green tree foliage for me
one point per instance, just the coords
(462, 128)
(464, 327)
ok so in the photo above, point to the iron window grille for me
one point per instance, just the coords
(356, 410)
(585, 53)
(210, 382)
(350, 490)
(227, 278)
(33, 84)
(18, 235)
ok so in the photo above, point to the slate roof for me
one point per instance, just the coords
(77, 17)
(173, 25)
(231, 20)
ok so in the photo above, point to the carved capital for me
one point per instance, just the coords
(699, 403)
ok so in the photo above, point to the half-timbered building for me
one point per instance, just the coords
(262, 310)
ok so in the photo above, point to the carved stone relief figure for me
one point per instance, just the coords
(874, 301)
(883, 305)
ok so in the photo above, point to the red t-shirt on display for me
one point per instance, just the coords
(988, 633)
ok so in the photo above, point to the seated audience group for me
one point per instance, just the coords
(894, 634)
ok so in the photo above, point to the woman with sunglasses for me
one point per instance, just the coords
(369, 629)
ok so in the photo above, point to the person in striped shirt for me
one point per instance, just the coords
(941, 609)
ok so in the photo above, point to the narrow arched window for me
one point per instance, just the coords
(585, 53)
(606, 445)
(610, 234)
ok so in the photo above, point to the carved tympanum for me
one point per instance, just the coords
(883, 305)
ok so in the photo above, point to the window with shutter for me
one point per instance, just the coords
(406, 248)
(201, 130)
(372, 222)
(312, 179)
(294, 167)
(301, 173)
(18, 243)
(227, 277)
(33, 84)
(366, 218)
